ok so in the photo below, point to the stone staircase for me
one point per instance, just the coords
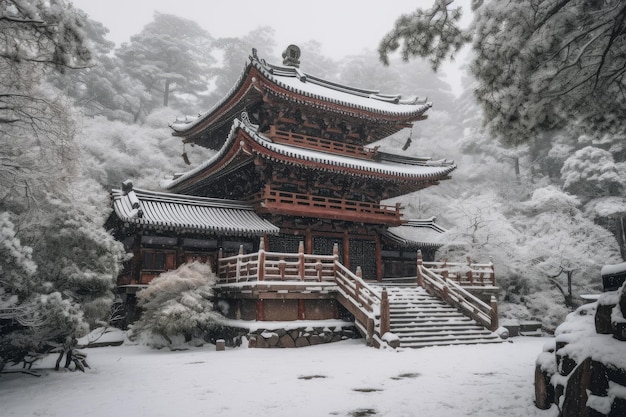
(419, 319)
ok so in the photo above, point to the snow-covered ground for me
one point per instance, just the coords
(340, 379)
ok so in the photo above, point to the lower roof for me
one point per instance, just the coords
(416, 233)
(183, 213)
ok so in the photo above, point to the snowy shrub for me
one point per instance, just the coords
(177, 307)
(591, 172)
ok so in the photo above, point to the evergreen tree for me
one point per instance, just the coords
(177, 307)
(539, 64)
(170, 56)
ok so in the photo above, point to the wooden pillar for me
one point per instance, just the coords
(379, 259)
(260, 313)
(346, 250)
(301, 310)
(308, 241)
(266, 241)
(136, 261)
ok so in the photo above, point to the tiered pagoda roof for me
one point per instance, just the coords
(188, 214)
(262, 82)
(244, 143)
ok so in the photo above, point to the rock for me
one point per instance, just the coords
(287, 342)
(302, 341)
(575, 402)
(603, 318)
(252, 342)
(315, 340)
(544, 391)
(220, 345)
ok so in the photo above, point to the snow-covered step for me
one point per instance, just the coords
(419, 319)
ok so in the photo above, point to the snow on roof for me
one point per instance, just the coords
(416, 232)
(613, 269)
(194, 214)
(298, 82)
(409, 169)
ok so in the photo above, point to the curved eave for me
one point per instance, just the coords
(243, 139)
(190, 215)
(407, 235)
(292, 86)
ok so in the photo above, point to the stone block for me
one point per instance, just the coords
(302, 342)
(286, 341)
(252, 342)
(220, 345)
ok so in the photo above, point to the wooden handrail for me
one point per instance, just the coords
(371, 310)
(466, 274)
(452, 293)
(320, 144)
(319, 206)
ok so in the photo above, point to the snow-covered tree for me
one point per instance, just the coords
(74, 260)
(177, 307)
(539, 63)
(104, 87)
(234, 53)
(114, 151)
(591, 172)
(170, 56)
(74, 254)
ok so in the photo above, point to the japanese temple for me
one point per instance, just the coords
(290, 211)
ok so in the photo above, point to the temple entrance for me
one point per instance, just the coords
(363, 254)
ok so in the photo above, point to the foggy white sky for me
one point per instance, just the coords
(343, 27)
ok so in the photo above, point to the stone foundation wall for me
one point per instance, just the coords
(287, 337)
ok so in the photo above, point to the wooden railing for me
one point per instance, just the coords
(275, 266)
(452, 293)
(371, 310)
(327, 207)
(468, 274)
(320, 144)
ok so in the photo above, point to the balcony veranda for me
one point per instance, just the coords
(273, 201)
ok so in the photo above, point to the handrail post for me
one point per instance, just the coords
(336, 259)
(301, 260)
(358, 286)
(318, 268)
(385, 319)
(281, 268)
(492, 275)
(420, 278)
(494, 314)
(261, 261)
(238, 268)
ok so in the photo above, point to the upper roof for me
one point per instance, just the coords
(190, 214)
(290, 83)
(245, 139)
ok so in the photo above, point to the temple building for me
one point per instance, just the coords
(296, 171)
(295, 147)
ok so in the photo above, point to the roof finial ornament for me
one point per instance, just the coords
(291, 56)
